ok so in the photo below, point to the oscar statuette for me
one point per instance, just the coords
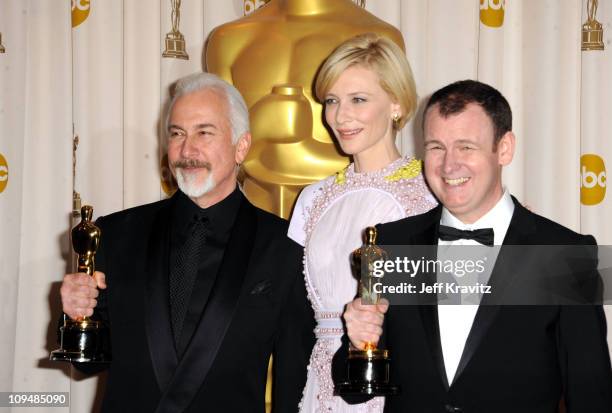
(175, 41)
(368, 369)
(592, 30)
(84, 340)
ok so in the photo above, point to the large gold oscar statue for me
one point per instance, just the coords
(272, 56)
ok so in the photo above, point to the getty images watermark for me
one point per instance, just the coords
(411, 268)
(500, 275)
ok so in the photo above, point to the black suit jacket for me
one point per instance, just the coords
(516, 358)
(257, 307)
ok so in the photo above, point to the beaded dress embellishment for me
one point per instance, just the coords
(403, 181)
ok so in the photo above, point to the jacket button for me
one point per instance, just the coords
(452, 409)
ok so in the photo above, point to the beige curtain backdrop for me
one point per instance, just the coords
(105, 81)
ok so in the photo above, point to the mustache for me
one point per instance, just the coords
(191, 163)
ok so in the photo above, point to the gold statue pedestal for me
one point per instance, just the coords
(368, 373)
(175, 46)
(592, 36)
(83, 341)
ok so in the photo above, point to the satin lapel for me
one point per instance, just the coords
(159, 333)
(428, 308)
(431, 325)
(217, 316)
(503, 272)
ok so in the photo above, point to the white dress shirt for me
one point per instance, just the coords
(456, 320)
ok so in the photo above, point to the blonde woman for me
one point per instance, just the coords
(369, 94)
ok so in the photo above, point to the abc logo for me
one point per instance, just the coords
(251, 5)
(3, 173)
(492, 12)
(80, 11)
(593, 179)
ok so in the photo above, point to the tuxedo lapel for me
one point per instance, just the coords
(431, 325)
(507, 265)
(208, 337)
(427, 242)
(504, 271)
(157, 318)
(428, 308)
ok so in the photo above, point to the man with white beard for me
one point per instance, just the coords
(199, 289)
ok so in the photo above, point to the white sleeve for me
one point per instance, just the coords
(301, 212)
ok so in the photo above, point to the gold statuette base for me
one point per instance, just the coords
(367, 373)
(83, 341)
(592, 36)
(175, 46)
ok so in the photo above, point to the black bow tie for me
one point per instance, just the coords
(483, 236)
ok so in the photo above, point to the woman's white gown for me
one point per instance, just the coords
(328, 220)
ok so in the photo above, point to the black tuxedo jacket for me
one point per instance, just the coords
(516, 358)
(257, 307)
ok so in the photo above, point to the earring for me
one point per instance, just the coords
(395, 119)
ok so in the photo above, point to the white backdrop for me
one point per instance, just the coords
(105, 81)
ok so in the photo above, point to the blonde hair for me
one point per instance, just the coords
(383, 57)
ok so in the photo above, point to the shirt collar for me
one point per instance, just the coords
(220, 216)
(498, 218)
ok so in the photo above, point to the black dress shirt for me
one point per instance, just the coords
(220, 220)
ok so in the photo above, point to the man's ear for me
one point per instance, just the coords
(242, 147)
(505, 148)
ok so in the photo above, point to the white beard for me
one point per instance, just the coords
(187, 183)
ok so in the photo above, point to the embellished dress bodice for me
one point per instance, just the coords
(328, 220)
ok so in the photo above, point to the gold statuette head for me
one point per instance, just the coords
(86, 240)
(364, 259)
